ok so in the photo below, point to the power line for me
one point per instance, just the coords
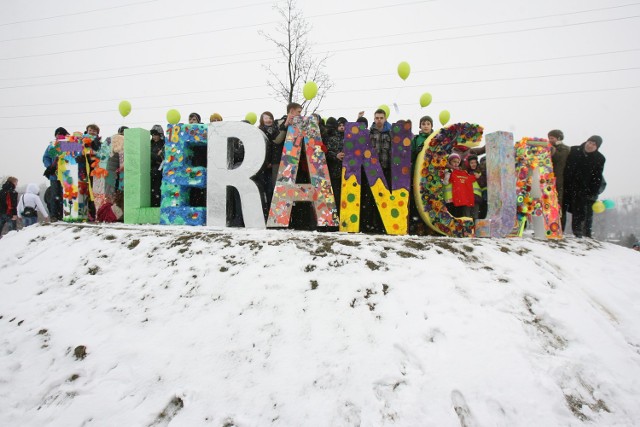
(497, 80)
(575, 92)
(521, 30)
(341, 91)
(509, 21)
(77, 13)
(146, 21)
(339, 50)
(331, 51)
(526, 61)
(357, 108)
(197, 33)
(350, 11)
(132, 74)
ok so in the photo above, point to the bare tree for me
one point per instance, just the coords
(291, 38)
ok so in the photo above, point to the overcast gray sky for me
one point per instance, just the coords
(520, 66)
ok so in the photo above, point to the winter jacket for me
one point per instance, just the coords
(559, 160)
(583, 174)
(335, 146)
(50, 160)
(31, 199)
(274, 152)
(381, 141)
(8, 199)
(417, 143)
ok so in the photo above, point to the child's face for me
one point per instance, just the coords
(426, 126)
(455, 162)
(473, 164)
(92, 131)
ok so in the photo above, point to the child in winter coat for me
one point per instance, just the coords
(29, 204)
(458, 188)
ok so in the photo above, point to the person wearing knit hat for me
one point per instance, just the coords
(583, 182)
(195, 118)
(215, 117)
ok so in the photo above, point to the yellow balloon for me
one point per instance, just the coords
(598, 207)
(444, 117)
(310, 90)
(173, 116)
(386, 109)
(425, 99)
(125, 108)
(404, 69)
(251, 118)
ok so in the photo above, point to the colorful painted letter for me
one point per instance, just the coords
(392, 199)
(537, 199)
(179, 176)
(286, 191)
(501, 187)
(429, 175)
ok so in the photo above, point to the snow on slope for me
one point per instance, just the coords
(200, 326)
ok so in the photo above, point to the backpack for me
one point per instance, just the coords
(28, 211)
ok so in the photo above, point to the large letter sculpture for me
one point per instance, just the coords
(429, 176)
(392, 199)
(220, 174)
(101, 175)
(74, 207)
(179, 175)
(537, 199)
(286, 191)
(137, 163)
(501, 187)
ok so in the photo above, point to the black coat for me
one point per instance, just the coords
(583, 174)
(8, 199)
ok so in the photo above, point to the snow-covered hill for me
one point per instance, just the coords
(172, 326)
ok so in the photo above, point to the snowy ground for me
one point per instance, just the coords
(172, 326)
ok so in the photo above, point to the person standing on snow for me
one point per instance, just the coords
(29, 204)
(582, 182)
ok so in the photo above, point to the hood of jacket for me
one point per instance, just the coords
(33, 189)
(385, 128)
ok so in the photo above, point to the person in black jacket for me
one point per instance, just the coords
(9, 204)
(157, 160)
(582, 182)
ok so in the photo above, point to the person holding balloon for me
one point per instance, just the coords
(582, 182)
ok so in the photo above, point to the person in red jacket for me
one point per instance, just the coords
(461, 182)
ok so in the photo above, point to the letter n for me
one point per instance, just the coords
(391, 198)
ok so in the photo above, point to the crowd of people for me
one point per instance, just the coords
(578, 171)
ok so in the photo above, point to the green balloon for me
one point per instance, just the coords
(125, 108)
(609, 204)
(251, 118)
(173, 116)
(425, 99)
(404, 69)
(310, 90)
(386, 109)
(444, 117)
